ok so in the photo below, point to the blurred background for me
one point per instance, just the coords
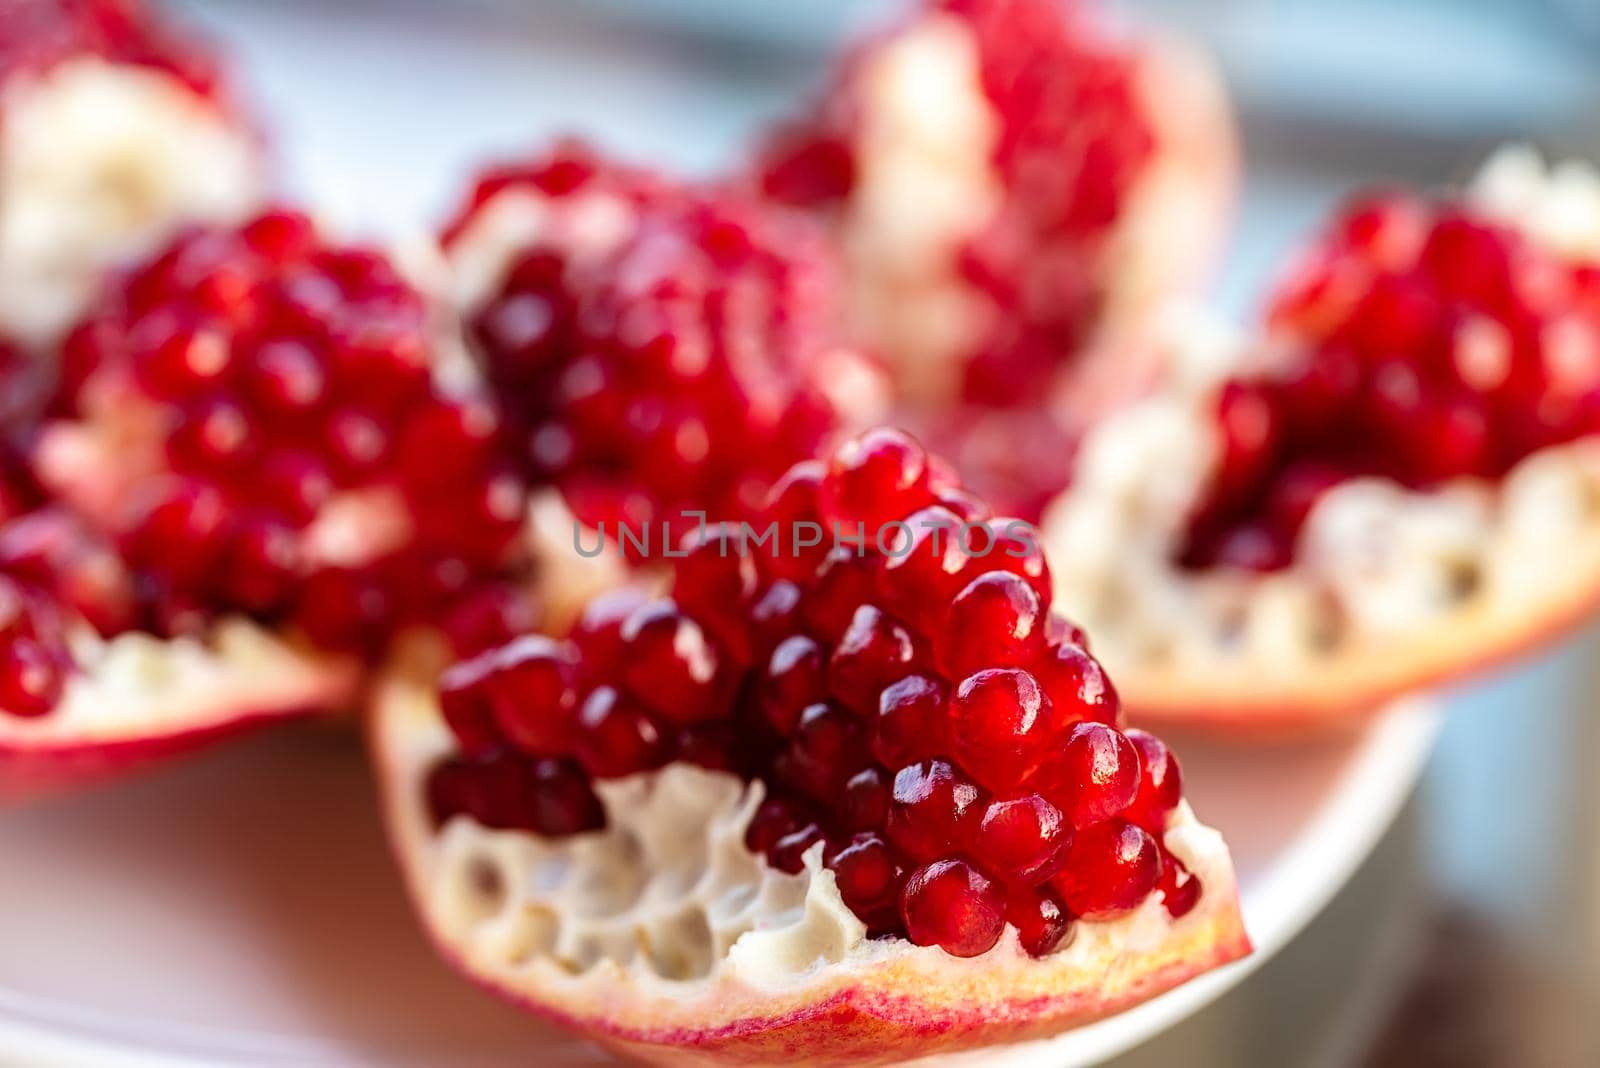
(1472, 935)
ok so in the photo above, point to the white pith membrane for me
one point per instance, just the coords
(1389, 587)
(98, 163)
(925, 185)
(665, 929)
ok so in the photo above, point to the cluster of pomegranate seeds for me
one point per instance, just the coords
(910, 702)
(291, 384)
(37, 34)
(1072, 141)
(676, 373)
(1432, 344)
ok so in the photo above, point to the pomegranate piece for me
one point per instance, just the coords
(265, 404)
(92, 191)
(661, 349)
(962, 823)
(985, 279)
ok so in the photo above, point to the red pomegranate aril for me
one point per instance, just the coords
(32, 677)
(924, 565)
(212, 439)
(774, 818)
(1110, 868)
(794, 679)
(294, 484)
(864, 803)
(867, 874)
(1078, 686)
(465, 702)
(874, 651)
(1160, 782)
(1022, 839)
(1180, 889)
(843, 583)
(996, 621)
(598, 631)
(670, 663)
(616, 736)
(910, 725)
(261, 565)
(1095, 776)
(793, 509)
(357, 445)
(1043, 923)
(952, 905)
(180, 534)
(490, 616)
(186, 363)
(284, 380)
(788, 853)
(716, 575)
(1002, 727)
(878, 477)
(824, 751)
(563, 803)
(532, 695)
(496, 790)
(932, 809)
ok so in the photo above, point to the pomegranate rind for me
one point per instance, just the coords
(138, 700)
(829, 995)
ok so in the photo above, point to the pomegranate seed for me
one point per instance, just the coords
(1111, 867)
(910, 723)
(563, 803)
(775, 819)
(932, 808)
(598, 631)
(794, 679)
(1160, 782)
(874, 652)
(673, 665)
(841, 585)
(32, 678)
(616, 737)
(1096, 774)
(875, 478)
(996, 621)
(824, 751)
(923, 564)
(531, 695)
(788, 853)
(1002, 726)
(1077, 685)
(867, 874)
(864, 804)
(464, 699)
(1023, 839)
(952, 905)
(1180, 890)
(1042, 921)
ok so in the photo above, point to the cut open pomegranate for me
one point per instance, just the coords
(662, 350)
(113, 129)
(252, 425)
(1013, 184)
(1397, 485)
(850, 805)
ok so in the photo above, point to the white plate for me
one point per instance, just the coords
(241, 909)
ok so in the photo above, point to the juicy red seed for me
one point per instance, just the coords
(670, 663)
(563, 802)
(1002, 727)
(717, 574)
(179, 535)
(1096, 774)
(1077, 684)
(873, 479)
(1179, 888)
(910, 722)
(794, 502)
(357, 446)
(775, 818)
(924, 565)
(1013, 545)
(1111, 867)
(1022, 839)
(598, 631)
(212, 437)
(794, 679)
(295, 485)
(843, 583)
(864, 804)
(996, 621)
(32, 677)
(774, 615)
(285, 379)
(1043, 923)
(616, 736)
(932, 809)
(788, 853)
(874, 652)
(1160, 782)
(496, 790)
(185, 363)
(442, 440)
(532, 695)
(465, 702)
(953, 905)
(261, 565)
(824, 751)
(867, 874)
(489, 617)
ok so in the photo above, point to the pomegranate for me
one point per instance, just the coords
(1367, 498)
(114, 128)
(1013, 187)
(662, 350)
(839, 832)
